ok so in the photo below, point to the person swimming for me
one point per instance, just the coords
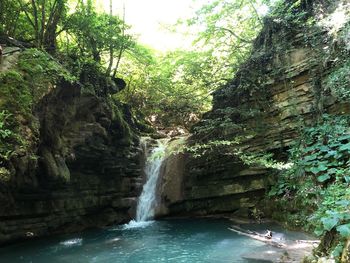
(1, 53)
(268, 234)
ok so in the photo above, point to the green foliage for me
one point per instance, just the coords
(4, 132)
(339, 81)
(318, 181)
(322, 154)
(293, 13)
(209, 126)
(168, 89)
(5, 175)
(199, 149)
(6, 135)
(176, 88)
(226, 122)
(95, 33)
(334, 210)
(232, 148)
(15, 95)
(10, 18)
(181, 81)
(8, 138)
(226, 31)
(68, 29)
(37, 20)
(13, 21)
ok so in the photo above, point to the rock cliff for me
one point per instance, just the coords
(281, 88)
(79, 169)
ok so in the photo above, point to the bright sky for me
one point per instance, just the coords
(149, 18)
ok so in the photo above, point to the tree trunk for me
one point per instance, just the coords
(111, 49)
(36, 25)
(121, 50)
(52, 24)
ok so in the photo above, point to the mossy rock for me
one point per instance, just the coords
(5, 175)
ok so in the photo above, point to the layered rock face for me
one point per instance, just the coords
(278, 91)
(86, 172)
(217, 184)
(172, 173)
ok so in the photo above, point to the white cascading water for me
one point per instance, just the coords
(147, 200)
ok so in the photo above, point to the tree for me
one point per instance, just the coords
(170, 89)
(9, 16)
(179, 84)
(44, 17)
(98, 34)
(227, 29)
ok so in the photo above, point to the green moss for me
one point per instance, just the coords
(14, 93)
(40, 72)
(8, 138)
(6, 135)
(5, 175)
(33, 76)
(120, 125)
(38, 63)
(125, 127)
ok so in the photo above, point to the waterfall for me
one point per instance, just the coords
(147, 200)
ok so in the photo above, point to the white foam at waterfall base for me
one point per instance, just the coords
(72, 242)
(137, 224)
(147, 200)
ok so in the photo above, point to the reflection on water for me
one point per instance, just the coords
(190, 241)
(72, 242)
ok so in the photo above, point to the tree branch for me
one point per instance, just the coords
(122, 48)
(43, 17)
(36, 23)
(53, 11)
(234, 34)
(256, 12)
(111, 49)
(26, 13)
